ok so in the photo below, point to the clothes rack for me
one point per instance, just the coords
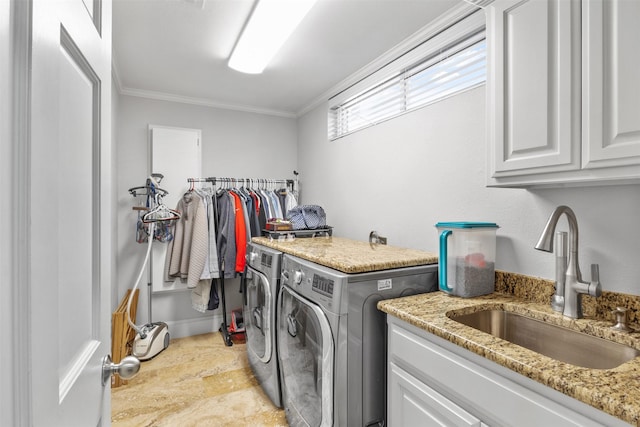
(291, 185)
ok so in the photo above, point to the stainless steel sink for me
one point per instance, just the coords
(566, 345)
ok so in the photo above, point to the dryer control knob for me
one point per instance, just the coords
(297, 277)
(251, 257)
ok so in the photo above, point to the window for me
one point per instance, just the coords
(449, 63)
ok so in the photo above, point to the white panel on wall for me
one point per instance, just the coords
(176, 153)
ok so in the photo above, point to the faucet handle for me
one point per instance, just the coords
(595, 289)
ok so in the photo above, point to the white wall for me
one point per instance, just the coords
(234, 144)
(403, 176)
(8, 288)
(116, 212)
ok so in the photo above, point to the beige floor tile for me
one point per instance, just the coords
(196, 381)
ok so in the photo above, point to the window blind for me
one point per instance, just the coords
(450, 69)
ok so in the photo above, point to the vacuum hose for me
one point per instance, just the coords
(140, 330)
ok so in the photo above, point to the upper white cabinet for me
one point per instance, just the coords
(563, 99)
(533, 86)
(611, 83)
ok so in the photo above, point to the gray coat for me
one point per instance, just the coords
(226, 234)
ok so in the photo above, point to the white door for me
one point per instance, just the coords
(69, 208)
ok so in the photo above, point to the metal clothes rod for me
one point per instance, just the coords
(245, 181)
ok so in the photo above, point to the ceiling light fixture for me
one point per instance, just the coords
(270, 24)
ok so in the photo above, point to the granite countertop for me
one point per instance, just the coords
(615, 391)
(349, 256)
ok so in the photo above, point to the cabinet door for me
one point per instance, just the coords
(413, 403)
(611, 83)
(533, 86)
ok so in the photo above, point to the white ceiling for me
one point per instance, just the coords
(178, 49)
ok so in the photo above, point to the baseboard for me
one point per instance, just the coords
(197, 326)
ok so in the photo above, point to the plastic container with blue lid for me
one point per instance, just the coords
(467, 255)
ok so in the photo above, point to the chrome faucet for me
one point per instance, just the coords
(574, 287)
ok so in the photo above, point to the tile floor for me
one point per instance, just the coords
(197, 381)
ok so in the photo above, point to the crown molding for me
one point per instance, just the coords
(203, 102)
(449, 18)
(434, 27)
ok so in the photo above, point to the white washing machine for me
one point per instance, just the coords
(262, 283)
(332, 340)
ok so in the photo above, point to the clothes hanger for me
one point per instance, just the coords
(160, 212)
(144, 190)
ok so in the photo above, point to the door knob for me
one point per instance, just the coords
(127, 368)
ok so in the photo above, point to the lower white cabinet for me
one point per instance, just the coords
(432, 382)
(413, 403)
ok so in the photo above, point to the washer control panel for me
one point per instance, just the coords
(322, 285)
(318, 283)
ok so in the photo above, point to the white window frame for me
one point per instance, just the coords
(465, 32)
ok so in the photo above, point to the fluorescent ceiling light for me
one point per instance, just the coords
(269, 26)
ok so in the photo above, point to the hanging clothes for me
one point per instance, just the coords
(290, 202)
(226, 241)
(282, 196)
(200, 296)
(211, 239)
(256, 229)
(214, 299)
(264, 209)
(188, 251)
(268, 203)
(240, 233)
(253, 208)
(277, 209)
(212, 265)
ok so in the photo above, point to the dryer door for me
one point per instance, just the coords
(257, 315)
(306, 354)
